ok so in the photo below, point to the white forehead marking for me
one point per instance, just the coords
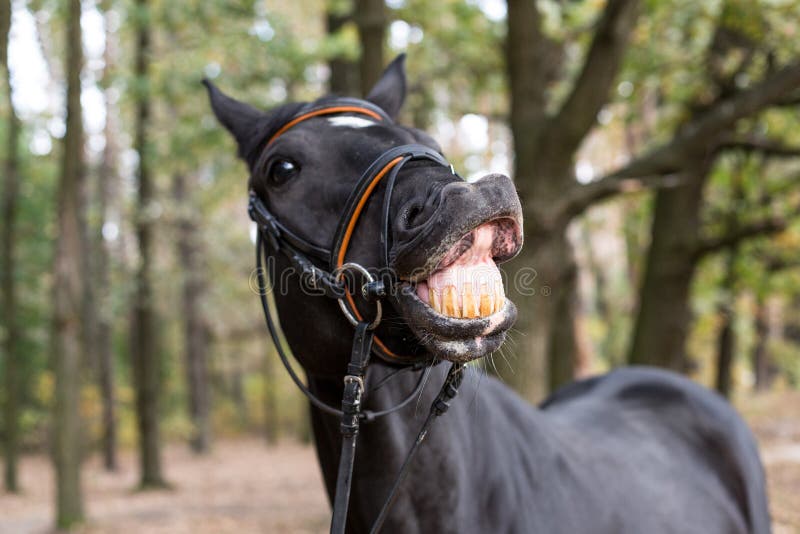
(350, 122)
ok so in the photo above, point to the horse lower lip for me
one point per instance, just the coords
(452, 338)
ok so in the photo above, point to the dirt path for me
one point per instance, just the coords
(247, 487)
(775, 419)
(242, 487)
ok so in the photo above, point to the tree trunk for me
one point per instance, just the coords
(541, 283)
(106, 184)
(562, 353)
(68, 292)
(761, 361)
(370, 16)
(144, 331)
(544, 148)
(662, 322)
(543, 276)
(726, 344)
(344, 72)
(727, 340)
(8, 268)
(271, 422)
(791, 327)
(195, 326)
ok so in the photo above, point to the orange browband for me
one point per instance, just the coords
(324, 111)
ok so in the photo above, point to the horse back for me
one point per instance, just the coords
(672, 427)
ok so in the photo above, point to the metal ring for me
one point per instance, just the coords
(337, 275)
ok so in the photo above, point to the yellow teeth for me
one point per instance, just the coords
(433, 300)
(486, 301)
(499, 298)
(450, 305)
(469, 305)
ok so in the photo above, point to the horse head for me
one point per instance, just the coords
(440, 237)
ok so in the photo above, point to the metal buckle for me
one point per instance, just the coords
(338, 273)
(357, 379)
(310, 275)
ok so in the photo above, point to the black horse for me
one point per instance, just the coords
(637, 451)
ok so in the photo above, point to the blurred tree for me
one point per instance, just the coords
(764, 366)
(190, 253)
(370, 16)
(761, 361)
(355, 74)
(196, 330)
(726, 343)
(145, 350)
(774, 263)
(107, 188)
(677, 243)
(11, 325)
(70, 269)
(545, 145)
(271, 422)
(344, 76)
(455, 68)
(734, 222)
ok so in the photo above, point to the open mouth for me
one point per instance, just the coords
(459, 310)
(467, 283)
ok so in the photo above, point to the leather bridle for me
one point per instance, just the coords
(273, 235)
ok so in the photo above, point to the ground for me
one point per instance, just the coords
(242, 487)
(775, 419)
(245, 486)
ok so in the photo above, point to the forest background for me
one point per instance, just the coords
(655, 145)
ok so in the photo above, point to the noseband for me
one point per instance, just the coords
(275, 236)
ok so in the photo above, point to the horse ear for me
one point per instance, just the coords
(390, 91)
(238, 118)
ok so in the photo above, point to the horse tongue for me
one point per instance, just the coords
(470, 286)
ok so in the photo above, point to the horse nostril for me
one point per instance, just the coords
(412, 215)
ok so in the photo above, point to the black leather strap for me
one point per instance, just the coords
(278, 233)
(273, 327)
(409, 152)
(351, 408)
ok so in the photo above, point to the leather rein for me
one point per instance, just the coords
(274, 237)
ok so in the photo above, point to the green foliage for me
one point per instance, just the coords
(267, 53)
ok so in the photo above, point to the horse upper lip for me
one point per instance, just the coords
(462, 208)
(507, 244)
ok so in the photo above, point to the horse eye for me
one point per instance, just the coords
(282, 171)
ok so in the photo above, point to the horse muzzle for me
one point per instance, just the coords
(452, 292)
